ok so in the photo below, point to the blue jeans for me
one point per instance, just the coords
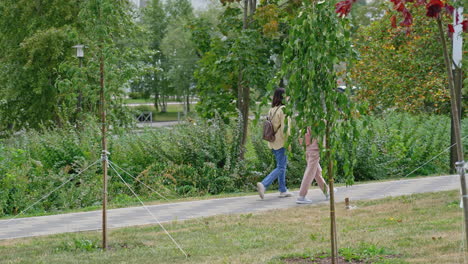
(279, 172)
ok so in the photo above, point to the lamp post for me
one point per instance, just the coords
(80, 55)
(104, 150)
(79, 52)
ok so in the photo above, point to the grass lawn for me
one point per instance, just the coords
(138, 101)
(172, 113)
(172, 109)
(168, 116)
(423, 228)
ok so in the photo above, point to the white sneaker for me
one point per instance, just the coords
(261, 189)
(285, 194)
(327, 195)
(303, 200)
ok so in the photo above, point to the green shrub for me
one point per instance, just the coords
(35, 163)
(135, 95)
(196, 158)
(390, 146)
(187, 159)
(395, 144)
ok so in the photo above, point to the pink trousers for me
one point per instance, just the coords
(313, 170)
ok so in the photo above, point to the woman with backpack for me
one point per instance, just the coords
(274, 133)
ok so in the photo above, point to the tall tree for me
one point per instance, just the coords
(173, 61)
(237, 66)
(179, 51)
(179, 9)
(317, 44)
(154, 82)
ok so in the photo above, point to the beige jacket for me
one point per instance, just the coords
(277, 120)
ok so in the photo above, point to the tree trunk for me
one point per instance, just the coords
(243, 90)
(163, 104)
(245, 116)
(252, 7)
(244, 20)
(156, 101)
(453, 103)
(333, 240)
(240, 107)
(456, 122)
(458, 77)
(188, 102)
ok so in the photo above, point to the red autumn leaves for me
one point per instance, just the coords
(450, 30)
(465, 25)
(433, 9)
(400, 6)
(344, 7)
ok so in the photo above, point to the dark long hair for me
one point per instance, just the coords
(278, 97)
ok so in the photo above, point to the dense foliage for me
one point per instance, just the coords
(40, 79)
(196, 159)
(236, 57)
(407, 70)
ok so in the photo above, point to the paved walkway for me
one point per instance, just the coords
(133, 216)
(168, 103)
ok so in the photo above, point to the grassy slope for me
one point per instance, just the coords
(423, 228)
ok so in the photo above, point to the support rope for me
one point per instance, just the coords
(190, 216)
(135, 178)
(424, 164)
(462, 241)
(146, 208)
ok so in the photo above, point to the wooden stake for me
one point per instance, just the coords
(346, 200)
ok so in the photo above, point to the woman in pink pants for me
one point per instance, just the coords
(312, 171)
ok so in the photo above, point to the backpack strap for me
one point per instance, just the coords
(274, 116)
(270, 118)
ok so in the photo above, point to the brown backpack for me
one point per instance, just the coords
(268, 130)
